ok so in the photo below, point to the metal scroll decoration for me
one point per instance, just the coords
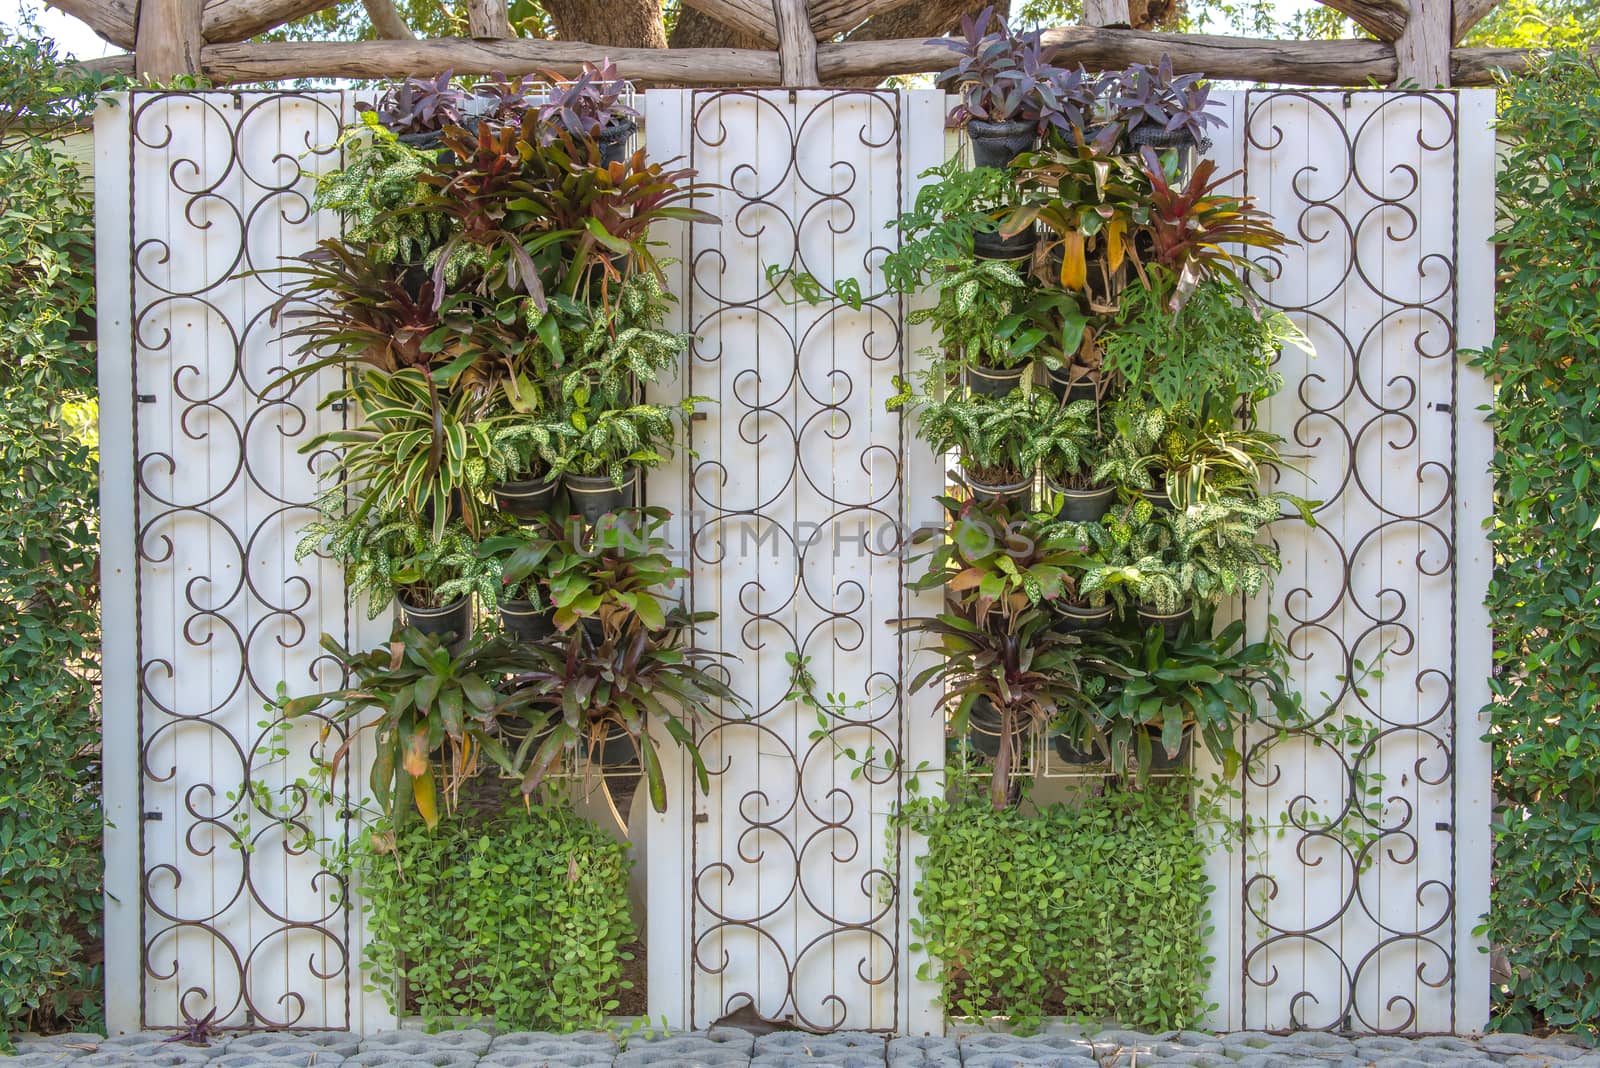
(1349, 912)
(241, 922)
(796, 499)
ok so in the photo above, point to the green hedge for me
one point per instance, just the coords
(1096, 910)
(522, 917)
(1545, 595)
(50, 904)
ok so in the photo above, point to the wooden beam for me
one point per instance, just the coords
(489, 18)
(1468, 13)
(797, 46)
(829, 18)
(1384, 19)
(112, 19)
(229, 64)
(1422, 51)
(234, 20)
(753, 17)
(1347, 62)
(167, 42)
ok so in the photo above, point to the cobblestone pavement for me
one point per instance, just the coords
(1060, 1047)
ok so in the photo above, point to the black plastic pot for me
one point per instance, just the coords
(995, 494)
(527, 498)
(423, 140)
(1076, 619)
(1069, 752)
(595, 495)
(1159, 499)
(1083, 506)
(454, 618)
(995, 144)
(521, 620)
(1067, 390)
(1159, 760)
(983, 728)
(1018, 246)
(616, 749)
(1163, 140)
(1170, 622)
(993, 381)
(613, 140)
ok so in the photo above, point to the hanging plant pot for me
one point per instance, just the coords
(1170, 622)
(1069, 752)
(1083, 506)
(527, 498)
(422, 140)
(1076, 619)
(995, 381)
(615, 749)
(995, 144)
(1068, 389)
(1018, 246)
(594, 495)
(1162, 140)
(454, 618)
(613, 140)
(996, 494)
(983, 728)
(1160, 761)
(1159, 499)
(522, 621)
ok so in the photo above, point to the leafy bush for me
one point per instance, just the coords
(521, 917)
(1544, 597)
(1092, 911)
(50, 904)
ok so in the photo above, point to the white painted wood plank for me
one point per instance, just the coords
(1474, 557)
(119, 709)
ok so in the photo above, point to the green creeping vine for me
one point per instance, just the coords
(521, 917)
(1097, 911)
(1544, 597)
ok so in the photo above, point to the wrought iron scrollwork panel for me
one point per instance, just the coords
(240, 916)
(796, 503)
(1348, 914)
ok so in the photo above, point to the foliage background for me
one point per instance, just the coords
(521, 917)
(50, 817)
(1014, 908)
(1545, 594)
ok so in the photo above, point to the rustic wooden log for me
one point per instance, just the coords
(797, 46)
(235, 20)
(112, 19)
(1422, 51)
(1348, 62)
(167, 42)
(1384, 19)
(1329, 63)
(488, 18)
(227, 64)
(753, 17)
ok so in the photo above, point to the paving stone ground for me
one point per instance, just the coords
(1061, 1046)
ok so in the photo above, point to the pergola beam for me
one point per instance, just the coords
(1307, 63)
(227, 64)
(112, 19)
(1384, 19)
(797, 45)
(829, 18)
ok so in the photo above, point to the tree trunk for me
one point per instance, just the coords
(698, 30)
(619, 23)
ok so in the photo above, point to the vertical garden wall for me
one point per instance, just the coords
(1346, 865)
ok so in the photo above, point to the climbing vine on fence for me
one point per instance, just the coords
(49, 584)
(1545, 595)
